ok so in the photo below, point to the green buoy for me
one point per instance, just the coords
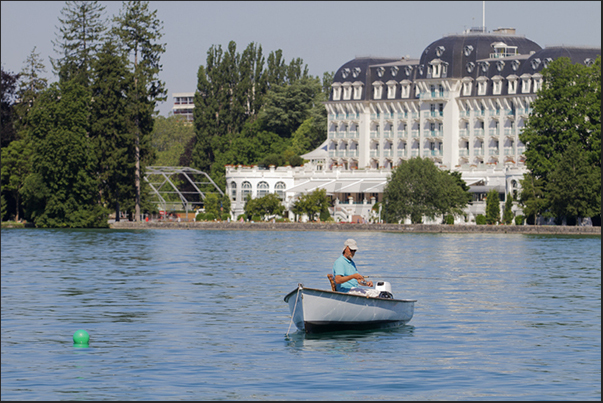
(81, 337)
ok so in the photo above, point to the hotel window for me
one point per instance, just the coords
(497, 86)
(467, 88)
(347, 91)
(377, 90)
(525, 85)
(512, 86)
(263, 189)
(481, 87)
(246, 190)
(391, 89)
(233, 191)
(405, 89)
(436, 71)
(336, 91)
(357, 90)
(279, 189)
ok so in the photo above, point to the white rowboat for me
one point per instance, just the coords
(316, 311)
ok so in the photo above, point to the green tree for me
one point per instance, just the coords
(574, 186)
(508, 210)
(418, 188)
(212, 204)
(139, 31)
(492, 207)
(566, 119)
(78, 39)
(169, 138)
(111, 127)
(286, 107)
(62, 190)
(16, 166)
(7, 109)
(532, 197)
(313, 204)
(31, 85)
(265, 206)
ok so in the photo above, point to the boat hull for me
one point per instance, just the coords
(317, 311)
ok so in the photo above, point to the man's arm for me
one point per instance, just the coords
(339, 279)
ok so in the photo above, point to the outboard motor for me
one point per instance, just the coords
(385, 288)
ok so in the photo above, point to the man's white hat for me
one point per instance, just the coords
(351, 243)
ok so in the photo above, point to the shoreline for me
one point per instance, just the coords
(338, 227)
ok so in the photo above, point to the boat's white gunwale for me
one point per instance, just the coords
(348, 295)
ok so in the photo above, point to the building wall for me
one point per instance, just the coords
(464, 104)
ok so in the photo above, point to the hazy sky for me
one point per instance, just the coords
(324, 34)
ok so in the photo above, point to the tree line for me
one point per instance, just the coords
(76, 149)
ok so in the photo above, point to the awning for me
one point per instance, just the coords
(309, 185)
(359, 186)
(486, 189)
(334, 186)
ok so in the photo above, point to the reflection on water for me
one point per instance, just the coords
(346, 341)
(199, 315)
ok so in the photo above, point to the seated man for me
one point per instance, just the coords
(346, 276)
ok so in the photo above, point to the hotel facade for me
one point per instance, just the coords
(462, 104)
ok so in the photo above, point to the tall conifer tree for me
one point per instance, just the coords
(112, 129)
(78, 39)
(139, 31)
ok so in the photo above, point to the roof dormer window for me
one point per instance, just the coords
(345, 73)
(500, 65)
(391, 89)
(440, 50)
(356, 72)
(535, 63)
(358, 90)
(484, 66)
(588, 62)
(394, 70)
(512, 87)
(405, 86)
(377, 90)
(526, 83)
(380, 71)
(408, 70)
(497, 85)
(482, 84)
(515, 64)
(470, 66)
(467, 84)
(467, 50)
(347, 91)
(336, 91)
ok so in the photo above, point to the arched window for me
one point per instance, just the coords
(246, 190)
(233, 191)
(279, 189)
(263, 189)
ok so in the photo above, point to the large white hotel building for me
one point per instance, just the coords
(462, 104)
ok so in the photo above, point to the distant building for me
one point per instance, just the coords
(184, 104)
(462, 104)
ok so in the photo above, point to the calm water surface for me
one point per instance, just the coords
(200, 315)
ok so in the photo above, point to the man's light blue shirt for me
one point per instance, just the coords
(345, 267)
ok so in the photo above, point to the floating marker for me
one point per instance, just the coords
(81, 337)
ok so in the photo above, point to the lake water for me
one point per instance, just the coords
(188, 314)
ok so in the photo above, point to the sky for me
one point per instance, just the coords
(324, 34)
